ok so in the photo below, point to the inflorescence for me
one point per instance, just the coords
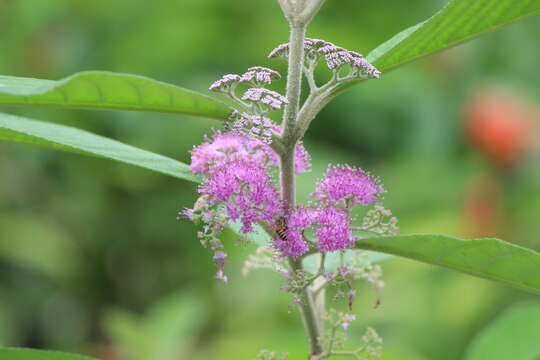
(336, 58)
(239, 164)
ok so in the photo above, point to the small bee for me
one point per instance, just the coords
(281, 228)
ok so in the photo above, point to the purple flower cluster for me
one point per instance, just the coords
(224, 148)
(252, 126)
(331, 225)
(260, 75)
(311, 48)
(294, 244)
(342, 188)
(336, 57)
(225, 83)
(272, 99)
(333, 229)
(256, 75)
(237, 165)
(237, 186)
(347, 186)
(246, 190)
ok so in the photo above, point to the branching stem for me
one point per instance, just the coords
(287, 156)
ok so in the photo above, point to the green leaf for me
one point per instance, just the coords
(491, 259)
(30, 354)
(513, 335)
(259, 236)
(332, 261)
(106, 90)
(311, 263)
(60, 137)
(457, 22)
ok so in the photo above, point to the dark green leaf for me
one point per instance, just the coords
(106, 90)
(491, 259)
(30, 354)
(457, 22)
(513, 335)
(23, 130)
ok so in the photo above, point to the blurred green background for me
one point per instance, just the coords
(93, 260)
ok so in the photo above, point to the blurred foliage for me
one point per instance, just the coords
(90, 248)
(513, 335)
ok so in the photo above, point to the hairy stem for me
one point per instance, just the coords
(294, 83)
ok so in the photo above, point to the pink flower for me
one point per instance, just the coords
(227, 147)
(331, 225)
(348, 186)
(302, 159)
(333, 229)
(246, 190)
(293, 243)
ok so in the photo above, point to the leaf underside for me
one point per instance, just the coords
(60, 137)
(107, 90)
(491, 259)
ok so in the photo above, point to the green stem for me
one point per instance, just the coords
(294, 83)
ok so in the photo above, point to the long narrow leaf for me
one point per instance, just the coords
(491, 259)
(106, 90)
(60, 137)
(457, 22)
(31, 354)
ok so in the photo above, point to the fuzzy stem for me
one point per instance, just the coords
(294, 83)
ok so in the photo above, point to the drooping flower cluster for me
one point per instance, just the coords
(246, 190)
(237, 186)
(336, 57)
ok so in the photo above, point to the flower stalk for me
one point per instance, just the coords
(238, 185)
(287, 157)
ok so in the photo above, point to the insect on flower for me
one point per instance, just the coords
(281, 228)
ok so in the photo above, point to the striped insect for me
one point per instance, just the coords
(281, 228)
